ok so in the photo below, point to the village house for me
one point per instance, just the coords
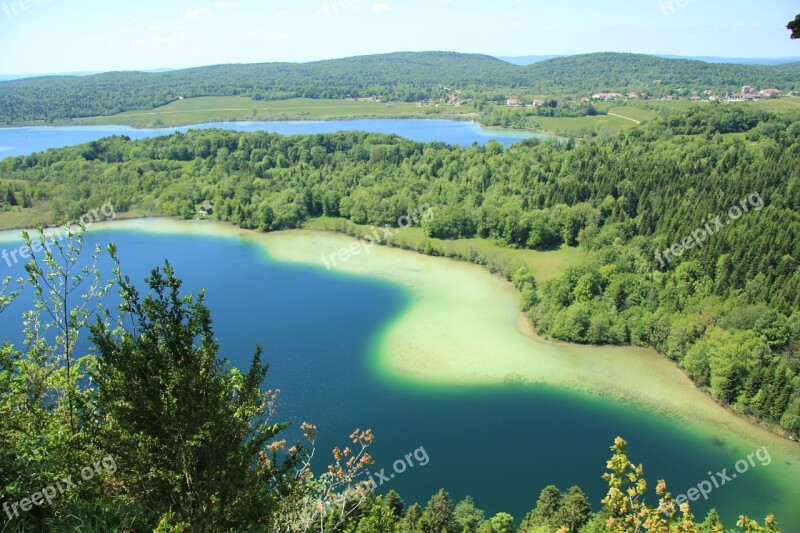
(205, 209)
(607, 97)
(512, 102)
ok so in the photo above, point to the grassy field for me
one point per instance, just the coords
(236, 108)
(41, 215)
(543, 265)
(622, 115)
(646, 110)
(603, 125)
(634, 113)
(230, 108)
(782, 104)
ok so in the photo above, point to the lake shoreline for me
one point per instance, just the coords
(522, 322)
(18, 141)
(526, 328)
(94, 121)
(97, 122)
(461, 334)
(666, 365)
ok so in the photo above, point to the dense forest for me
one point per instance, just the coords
(726, 306)
(408, 77)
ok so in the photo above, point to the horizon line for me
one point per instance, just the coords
(300, 62)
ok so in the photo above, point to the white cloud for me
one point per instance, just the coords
(165, 40)
(284, 13)
(154, 28)
(268, 36)
(379, 7)
(222, 5)
(198, 13)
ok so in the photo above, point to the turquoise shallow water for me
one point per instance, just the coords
(501, 445)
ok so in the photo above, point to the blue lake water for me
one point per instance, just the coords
(501, 445)
(26, 141)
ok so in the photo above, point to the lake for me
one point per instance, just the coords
(417, 349)
(26, 141)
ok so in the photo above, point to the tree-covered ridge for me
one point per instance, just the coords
(404, 76)
(610, 71)
(728, 311)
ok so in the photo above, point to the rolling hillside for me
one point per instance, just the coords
(403, 76)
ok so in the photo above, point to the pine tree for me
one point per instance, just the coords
(438, 515)
(189, 432)
(11, 199)
(544, 514)
(575, 510)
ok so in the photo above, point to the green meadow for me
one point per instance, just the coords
(621, 115)
(238, 108)
(544, 265)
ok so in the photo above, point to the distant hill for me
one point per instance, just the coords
(9, 77)
(615, 71)
(742, 60)
(406, 76)
(530, 60)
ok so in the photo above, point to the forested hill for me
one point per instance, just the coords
(620, 72)
(726, 309)
(406, 76)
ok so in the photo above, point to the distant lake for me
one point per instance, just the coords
(501, 444)
(26, 141)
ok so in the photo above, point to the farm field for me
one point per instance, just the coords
(238, 108)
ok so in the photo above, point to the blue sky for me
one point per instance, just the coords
(93, 35)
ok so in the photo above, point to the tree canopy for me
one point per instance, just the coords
(794, 26)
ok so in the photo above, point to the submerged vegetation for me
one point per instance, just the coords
(189, 443)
